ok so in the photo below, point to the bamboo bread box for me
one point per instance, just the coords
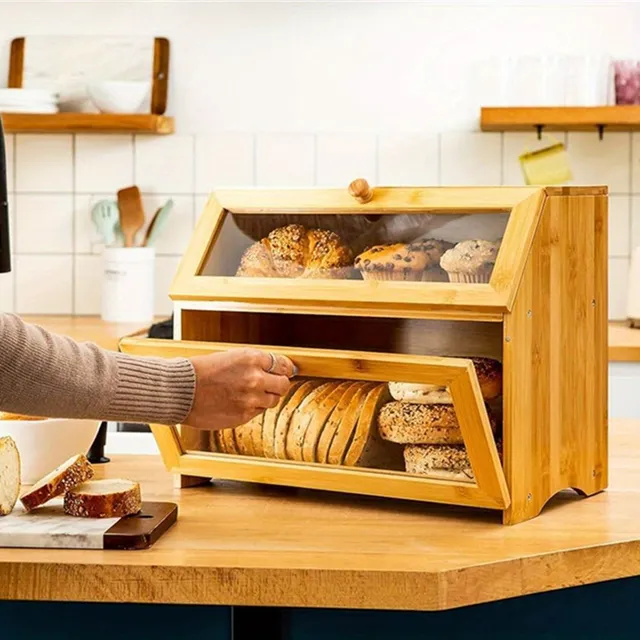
(451, 342)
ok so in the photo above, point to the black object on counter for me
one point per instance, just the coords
(5, 252)
(162, 330)
(96, 453)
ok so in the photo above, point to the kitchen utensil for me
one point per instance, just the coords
(105, 216)
(131, 214)
(158, 223)
(547, 165)
(44, 444)
(119, 97)
(5, 251)
(49, 527)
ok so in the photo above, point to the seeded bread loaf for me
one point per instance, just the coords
(404, 423)
(70, 474)
(294, 251)
(439, 461)
(9, 475)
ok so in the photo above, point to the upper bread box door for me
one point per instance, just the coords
(403, 252)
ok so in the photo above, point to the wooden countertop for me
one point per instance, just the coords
(86, 329)
(243, 545)
(624, 343)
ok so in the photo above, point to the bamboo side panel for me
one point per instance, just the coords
(555, 363)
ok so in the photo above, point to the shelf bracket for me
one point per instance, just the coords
(539, 130)
(600, 131)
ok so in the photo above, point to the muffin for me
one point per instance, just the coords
(470, 261)
(409, 262)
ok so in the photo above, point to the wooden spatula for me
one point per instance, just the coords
(131, 214)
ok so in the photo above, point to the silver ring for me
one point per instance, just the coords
(274, 363)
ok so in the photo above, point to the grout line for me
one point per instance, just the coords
(630, 198)
(502, 158)
(193, 168)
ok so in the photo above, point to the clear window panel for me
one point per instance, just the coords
(416, 247)
(390, 426)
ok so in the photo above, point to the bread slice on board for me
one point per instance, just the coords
(9, 475)
(332, 423)
(344, 433)
(368, 449)
(69, 474)
(103, 499)
(319, 419)
(284, 419)
(271, 419)
(216, 441)
(302, 417)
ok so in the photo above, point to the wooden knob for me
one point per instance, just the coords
(361, 190)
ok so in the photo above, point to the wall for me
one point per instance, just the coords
(299, 94)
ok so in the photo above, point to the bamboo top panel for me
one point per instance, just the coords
(243, 545)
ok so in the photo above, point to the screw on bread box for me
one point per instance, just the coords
(529, 313)
(507, 339)
(529, 497)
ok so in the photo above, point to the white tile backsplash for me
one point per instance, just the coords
(175, 235)
(44, 223)
(44, 284)
(472, 159)
(285, 160)
(164, 164)
(408, 159)
(601, 162)
(166, 268)
(224, 160)
(9, 141)
(6, 292)
(44, 163)
(619, 225)
(58, 178)
(343, 157)
(103, 163)
(87, 289)
(635, 162)
(618, 282)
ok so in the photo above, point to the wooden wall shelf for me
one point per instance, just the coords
(88, 123)
(619, 117)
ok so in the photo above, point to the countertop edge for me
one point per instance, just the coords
(318, 588)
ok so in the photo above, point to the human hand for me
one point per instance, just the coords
(234, 386)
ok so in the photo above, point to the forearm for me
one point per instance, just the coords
(49, 375)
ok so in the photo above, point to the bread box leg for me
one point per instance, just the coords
(555, 360)
(184, 482)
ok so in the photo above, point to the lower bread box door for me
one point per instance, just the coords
(342, 427)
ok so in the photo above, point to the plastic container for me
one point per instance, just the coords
(128, 284)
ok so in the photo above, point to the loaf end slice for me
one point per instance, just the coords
(71, 473)
(104, 499)
(9, 475)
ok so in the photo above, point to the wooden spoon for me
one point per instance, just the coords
(131, 214)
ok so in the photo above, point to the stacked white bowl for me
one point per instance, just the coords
(28, 101)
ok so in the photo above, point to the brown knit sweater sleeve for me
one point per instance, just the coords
(48, 375)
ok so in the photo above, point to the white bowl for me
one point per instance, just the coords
(119, 97)
(45, 444)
